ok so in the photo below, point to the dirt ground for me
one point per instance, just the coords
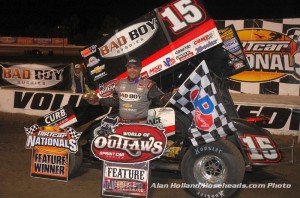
(16, 181)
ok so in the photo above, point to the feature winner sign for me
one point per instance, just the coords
(50, 150)
(126, 150)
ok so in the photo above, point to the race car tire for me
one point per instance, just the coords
(75, 161)
(215, 169)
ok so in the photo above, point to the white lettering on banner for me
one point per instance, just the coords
(43, 101)
(55, 116)
(269, 55)
(129, 39)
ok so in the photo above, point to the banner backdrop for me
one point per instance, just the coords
(36, 76)
(273, 51)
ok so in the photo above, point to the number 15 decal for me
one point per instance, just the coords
(182, 15)
(260, 148)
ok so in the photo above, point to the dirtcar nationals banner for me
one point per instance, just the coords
(162, 38)
(36, 76)
(273, 51)
(50, 150)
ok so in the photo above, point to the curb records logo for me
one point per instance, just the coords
(32, 75)
(271, 55)
(129, 39)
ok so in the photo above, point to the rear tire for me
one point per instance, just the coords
(218, 163)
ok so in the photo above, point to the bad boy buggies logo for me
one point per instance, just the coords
(50, 150)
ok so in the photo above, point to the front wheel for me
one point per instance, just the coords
(213, 170)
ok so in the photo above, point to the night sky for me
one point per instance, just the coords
(40, 15)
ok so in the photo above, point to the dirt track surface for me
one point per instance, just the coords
(16, 181)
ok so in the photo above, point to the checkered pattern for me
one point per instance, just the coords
(200, 79)
(289, 27)
(74, 134)
(294, 34)
(30, 130)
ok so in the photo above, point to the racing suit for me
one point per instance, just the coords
(134, 98)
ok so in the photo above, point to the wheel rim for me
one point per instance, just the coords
(209, 169)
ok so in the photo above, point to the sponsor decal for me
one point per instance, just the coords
(97, 69)
(50, 150)
(184, 56)
(89, 51)
(129, 96)
(93, 61)
(268, 52)
(203, 109)
(155, 69)
(107, 89)
(231, 44)
(204, 38)
(32, 75)
(101, 75)
(238, 64)
(130, 144)
(169, 62)
(183, 49)
(129, 39)
(206, 46)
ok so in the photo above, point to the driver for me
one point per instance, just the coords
(134, 94)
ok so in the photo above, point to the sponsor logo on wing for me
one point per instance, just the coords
(155, 69)
(206, 46)
(204, 38)
(129, 39)
(203, 109)
(93, 61)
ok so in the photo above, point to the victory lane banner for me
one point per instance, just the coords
(50, 150)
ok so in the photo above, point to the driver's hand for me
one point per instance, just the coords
(93, 100)
(175, 90)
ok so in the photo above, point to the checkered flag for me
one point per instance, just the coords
(30, 130)
(198, 98)
(294, 34)
(74, 134)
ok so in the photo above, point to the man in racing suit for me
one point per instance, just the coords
(133, 95)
